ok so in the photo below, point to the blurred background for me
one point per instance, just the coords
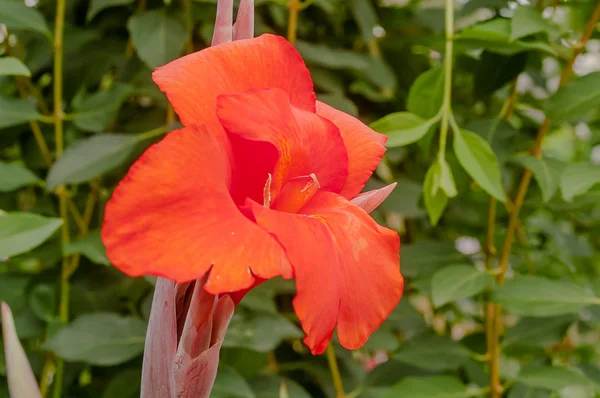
(79, 317)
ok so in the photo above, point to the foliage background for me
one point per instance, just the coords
(83, 322)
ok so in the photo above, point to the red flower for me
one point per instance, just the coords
(259, 184)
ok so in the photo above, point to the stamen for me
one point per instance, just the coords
(267, 192)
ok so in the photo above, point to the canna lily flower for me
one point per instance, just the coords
(262, 181)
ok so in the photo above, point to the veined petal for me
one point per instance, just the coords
(365, 147)
(346, 268)
(193, 83)
(172, 216)
(306, 143)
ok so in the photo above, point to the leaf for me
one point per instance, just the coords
(21, 232)
(545, 171)
(16, 111)
(125, 384)
(260, 333)
(494, 35)
(575, 99)
(496, 70)
(14, 176)
(435, 199)
(402, 128)
(539, 297)
(12, 66)
(98, 5)
(103, 339)
(553, 377)
(366, 18)
(456, 282)
(90, 246)
(97, 111)
(425, 257)
(428, 387)
(230, 384)
(157, 37)
(16, 15)
(577, 179)
(91, 157)
(538, 332)
(479, 161)
(427, 93)
(432, 352)
(43, 302)
(527, 21)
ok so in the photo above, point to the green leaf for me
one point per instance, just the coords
(539, 297)
(425, 257)
(553, 377)
(16, 111)
(435, 199)
(432, 352)
(496, 70)
(575, 99)
(478, 159)
(538, 332)
(98, 5)
(126, 384)
(456, 282)
(16, 15)
(494, 35)
(21, 232)
(230, 384)
(14, 176)
(429, 387)
(12, 66)
(403, 128)
(427, 93)
(97, 111)
(91, 157)
(157, 37)
(43, 302)
(90, 246)
(527, 21)
(261, 332)
(103, 339)
(577, 179)
(365, 16)
(545, 171)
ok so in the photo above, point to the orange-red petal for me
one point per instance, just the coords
(193, 83)
(346, 268)
(172, 216)
(306, 143)
(365, 147)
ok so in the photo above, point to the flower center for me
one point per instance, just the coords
(293, 195)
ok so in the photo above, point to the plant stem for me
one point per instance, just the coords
(294, 6)
(63, 310)
(335, 371)
(446, 105)
(513, 221)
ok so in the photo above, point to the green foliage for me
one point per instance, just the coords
(459, 133)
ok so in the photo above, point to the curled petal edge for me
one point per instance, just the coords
(369, 201)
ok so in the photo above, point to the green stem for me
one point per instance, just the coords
(447, 117)
(63, 309)
(335, 371)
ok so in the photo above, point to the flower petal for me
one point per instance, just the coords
(244, 24)
(193, 83)
(172, 216)
(306, 143)
(365, 147)
(21, 381)
(369, 201)
(346, 268)
(223, 32)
